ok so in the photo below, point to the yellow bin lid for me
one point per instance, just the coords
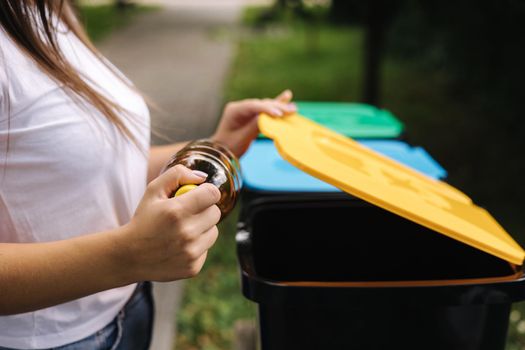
(363, 173)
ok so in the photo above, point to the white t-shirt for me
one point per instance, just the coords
(66, 172)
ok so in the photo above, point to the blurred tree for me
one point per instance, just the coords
(477, 49)
(289, 3)
(347, 11)
(278, 9)
(375, 16)
(123, 4)
(378, 17)
(481, 46)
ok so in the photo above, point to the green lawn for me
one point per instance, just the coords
(318, 65)
(100, 20)
(323, 63)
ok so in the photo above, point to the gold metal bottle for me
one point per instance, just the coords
(221, 165)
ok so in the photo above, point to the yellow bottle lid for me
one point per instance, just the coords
(184, 189)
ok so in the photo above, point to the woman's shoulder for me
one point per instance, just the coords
(10, 54)
(14, 62)
(21, 79)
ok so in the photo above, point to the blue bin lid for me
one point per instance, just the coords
(265, 170)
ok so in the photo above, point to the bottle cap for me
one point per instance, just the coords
(184, 189)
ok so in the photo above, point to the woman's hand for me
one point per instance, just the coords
(238, 125)
(168, 238)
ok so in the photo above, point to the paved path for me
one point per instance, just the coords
(177, 57)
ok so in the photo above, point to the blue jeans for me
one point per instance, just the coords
(130, 330)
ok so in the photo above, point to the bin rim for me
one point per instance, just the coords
(475, 291)
(266, 291)
(492, 290)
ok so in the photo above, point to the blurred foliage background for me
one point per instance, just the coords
(101, 19)
(451, 71)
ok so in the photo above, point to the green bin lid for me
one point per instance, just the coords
(356, 120)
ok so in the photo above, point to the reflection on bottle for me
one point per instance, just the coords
(221, 165)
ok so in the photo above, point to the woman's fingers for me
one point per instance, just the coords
(196, 225)
(246, 109)
(199, 250)
(167, 182)
(282, 107)
(268, 106)
(285, 96)
(207, 240)
(198, 199)
(283, 102)
(196, 266)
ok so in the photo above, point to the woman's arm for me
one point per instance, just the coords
(237, 128)
(167, 239)
(38, 275)
(159, 157)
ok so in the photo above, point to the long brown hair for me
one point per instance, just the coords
(32, 25)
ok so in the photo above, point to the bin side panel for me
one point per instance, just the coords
(373, 328)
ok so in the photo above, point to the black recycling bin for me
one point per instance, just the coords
(334, 273)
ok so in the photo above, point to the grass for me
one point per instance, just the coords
(101, 20)
(316, 65)
(212, 301)
(323, 63)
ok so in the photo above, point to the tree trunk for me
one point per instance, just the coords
(347, 11)
(123, 4)
(379, 14)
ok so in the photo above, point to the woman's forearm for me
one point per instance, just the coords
(38, 275)
(159, 156)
